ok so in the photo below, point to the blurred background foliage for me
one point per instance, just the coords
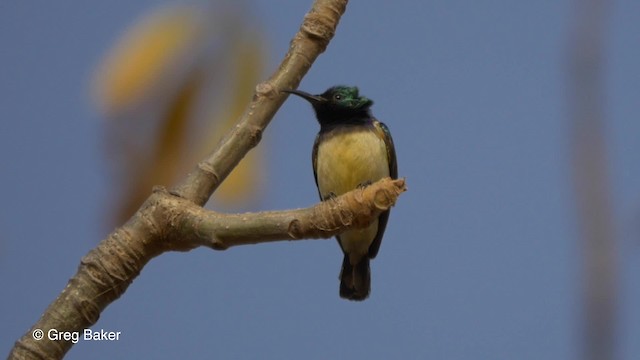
(170, 87)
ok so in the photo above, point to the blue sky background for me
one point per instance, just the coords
(481, 259)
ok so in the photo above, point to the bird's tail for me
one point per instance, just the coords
(355, 280)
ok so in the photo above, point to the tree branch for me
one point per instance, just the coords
(324, 220)
(106, 271)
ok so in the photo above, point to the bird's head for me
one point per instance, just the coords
(338, 104)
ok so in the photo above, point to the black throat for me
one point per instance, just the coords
(329, 120)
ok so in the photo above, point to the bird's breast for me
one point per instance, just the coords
(348, 157)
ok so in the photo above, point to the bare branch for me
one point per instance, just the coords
(106, 271)
(169, 223)
(326, 219)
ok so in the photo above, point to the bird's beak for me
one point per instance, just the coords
(313, 99)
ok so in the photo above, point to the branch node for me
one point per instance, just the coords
(159, 189)
(216, 244)
(265, 89)
(383, 199)
(318, 26)
(207, 169)
(346, 215)
(295, 230)
(255, 135)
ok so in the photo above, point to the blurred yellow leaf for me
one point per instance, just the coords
(166, 155)
(173, 86)
(136, 63)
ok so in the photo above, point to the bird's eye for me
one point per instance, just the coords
(337, 97)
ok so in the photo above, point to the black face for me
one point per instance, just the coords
(346, 98)
(339, 104)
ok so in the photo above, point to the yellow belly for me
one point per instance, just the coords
(349, 158)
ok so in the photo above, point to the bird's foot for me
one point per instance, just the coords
(329, 196)
(364, 184)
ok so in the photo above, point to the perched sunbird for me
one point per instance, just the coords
(353, 149)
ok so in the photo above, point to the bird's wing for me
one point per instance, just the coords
(382, 131)
(314, 162)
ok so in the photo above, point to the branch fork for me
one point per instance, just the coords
(174, 220)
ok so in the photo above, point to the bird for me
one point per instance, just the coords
(352, 150)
